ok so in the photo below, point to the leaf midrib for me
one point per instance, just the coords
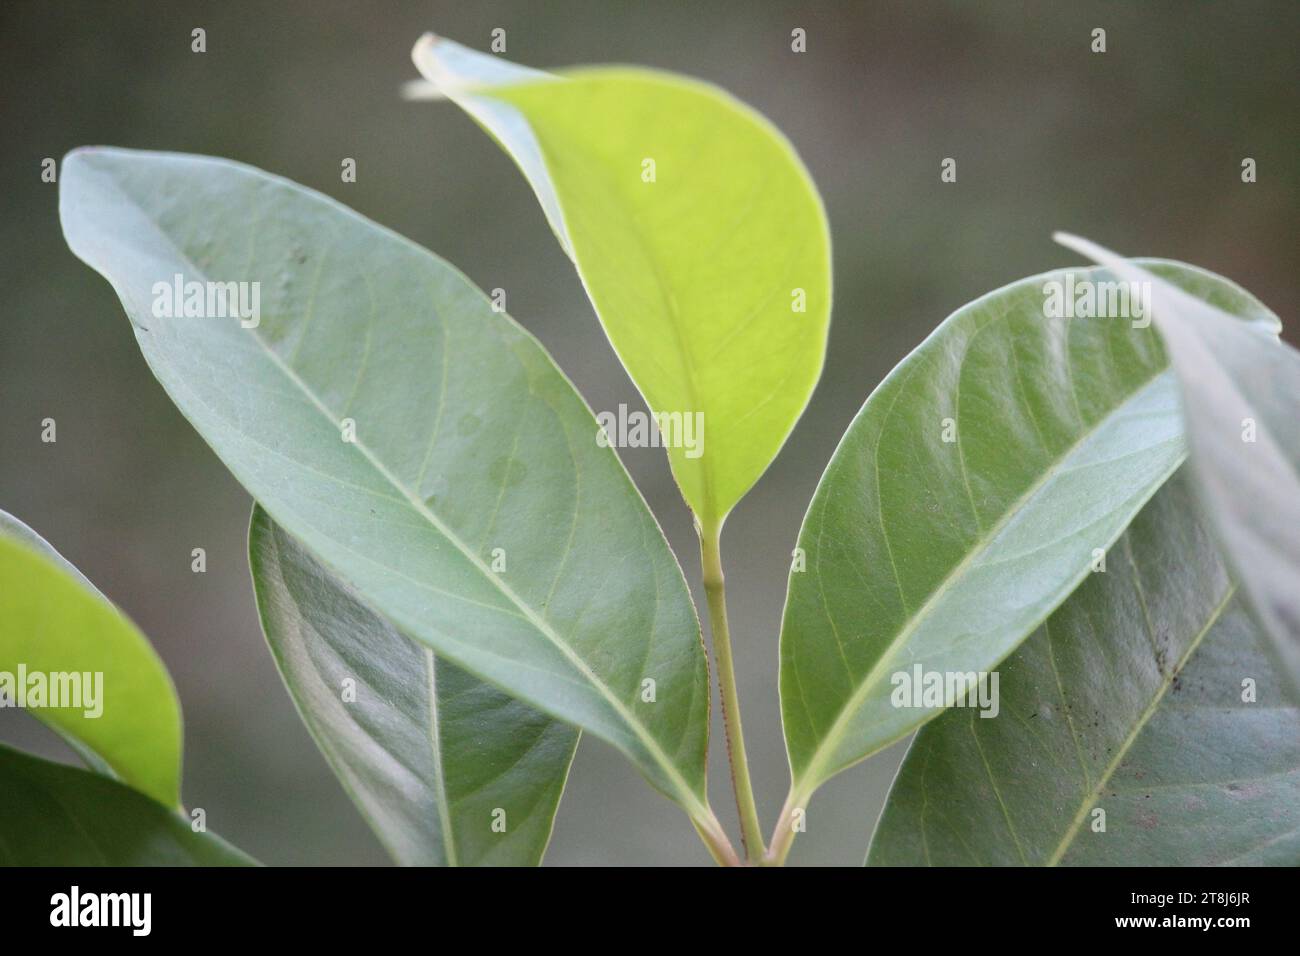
(1122, 750)
(688, 796)
(664, 289)
(812, 775)
(666, 296)
(435, 745)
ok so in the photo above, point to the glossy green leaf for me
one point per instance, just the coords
(447, 770)
(52, 815)
(712, 280)
(965, 502)
(1144, 704)
(420, 444)
(1240, 390)
(61, 641)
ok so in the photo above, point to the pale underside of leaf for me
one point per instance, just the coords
(1240, 391)
(1123, 734)
(432, 756)
(948, 553)
(469, 441)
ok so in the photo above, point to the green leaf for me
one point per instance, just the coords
(965, 502)
(1240, 391)
(432, 756)
(62, 816)
(60, 636)
(1128, 700)
(419, 444)
(697, 275)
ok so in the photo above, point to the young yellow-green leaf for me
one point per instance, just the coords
(1140, 725)
(417, 442)
(52, 815)
(1240, 391)
(697, 232)
(62, 643)
(968, 498)
(447, 770)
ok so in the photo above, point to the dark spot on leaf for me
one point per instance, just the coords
(1244, 790)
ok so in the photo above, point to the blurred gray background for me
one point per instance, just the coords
(1139, 148)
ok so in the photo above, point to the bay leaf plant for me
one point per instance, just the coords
(1006, 553)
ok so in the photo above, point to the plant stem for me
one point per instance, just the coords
(715, 590)
(783, 835)
(715, 840)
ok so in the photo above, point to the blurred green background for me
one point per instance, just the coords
(1139, 148)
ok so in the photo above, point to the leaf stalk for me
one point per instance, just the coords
(715, 591)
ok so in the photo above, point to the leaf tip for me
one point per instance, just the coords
(432, 72)
(1088, 249)
(424, 57)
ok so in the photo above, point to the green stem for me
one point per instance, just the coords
(783, 835)
(715, 590)
(715, 840)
